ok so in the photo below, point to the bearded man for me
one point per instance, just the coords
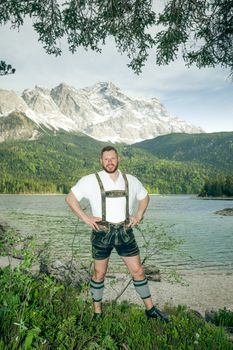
(112, 196)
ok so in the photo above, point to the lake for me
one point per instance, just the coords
(208, 238)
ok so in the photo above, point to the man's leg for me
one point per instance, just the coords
(97, 283)
(135, 267)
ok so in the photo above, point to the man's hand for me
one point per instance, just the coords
(76, 208)
(134, 220)
(92, 221)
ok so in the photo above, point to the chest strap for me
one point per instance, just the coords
(114, 194)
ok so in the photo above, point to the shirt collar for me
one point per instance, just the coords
(107, 175)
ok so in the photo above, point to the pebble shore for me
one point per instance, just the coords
(206, 290)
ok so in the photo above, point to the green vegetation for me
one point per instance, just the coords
(131, 26)
(222, 317)
(54, 163)
(16, 120)
(39, 313)
(8, 238)
(6, 68)
(50, 164)
(218, 187)
(210, 150)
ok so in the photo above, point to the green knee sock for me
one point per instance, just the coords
(142, 288)
(97, 290)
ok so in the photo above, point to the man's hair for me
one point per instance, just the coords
(107, 149)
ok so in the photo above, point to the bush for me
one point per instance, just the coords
(39, 313)
(222, 317)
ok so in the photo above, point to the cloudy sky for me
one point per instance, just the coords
(201, 97)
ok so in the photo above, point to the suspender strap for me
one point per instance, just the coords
(127, 196)
(103, 197)
(113, 194)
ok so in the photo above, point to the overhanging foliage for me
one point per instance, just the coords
(6, 68)
(201, 29)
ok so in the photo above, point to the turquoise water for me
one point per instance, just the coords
(208, 237)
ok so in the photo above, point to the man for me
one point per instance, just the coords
(112, 196)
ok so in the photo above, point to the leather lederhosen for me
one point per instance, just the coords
(113, 235)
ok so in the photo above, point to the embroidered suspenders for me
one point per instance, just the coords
(113, 194)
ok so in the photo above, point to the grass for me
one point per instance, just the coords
(36, 312)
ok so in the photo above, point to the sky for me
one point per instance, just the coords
(202, 97)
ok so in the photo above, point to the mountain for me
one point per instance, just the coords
(102, 111)
(10, 102)
(212, 149)
(18, 126)
(45, 111)
(54, 163)
(56, 160)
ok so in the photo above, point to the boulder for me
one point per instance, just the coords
(225, 212)
(152, 273)
(70, 272)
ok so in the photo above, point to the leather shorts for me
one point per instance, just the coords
(109, 236)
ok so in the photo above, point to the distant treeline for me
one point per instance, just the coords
(52, 164)
(218, 187)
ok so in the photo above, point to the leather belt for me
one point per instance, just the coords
(103, 225)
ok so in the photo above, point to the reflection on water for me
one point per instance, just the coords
(208, 237)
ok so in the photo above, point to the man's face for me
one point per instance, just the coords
(109, 161)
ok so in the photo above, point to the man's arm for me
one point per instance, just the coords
(137, 217)
(75, 206)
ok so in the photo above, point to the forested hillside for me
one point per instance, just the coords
(53, 163)
(214, 149)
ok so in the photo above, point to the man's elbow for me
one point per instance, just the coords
(69, 198)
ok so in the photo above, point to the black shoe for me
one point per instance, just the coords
(97, 316)
(156, 313)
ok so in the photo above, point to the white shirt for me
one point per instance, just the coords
(88, 187)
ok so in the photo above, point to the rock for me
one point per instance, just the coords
(152, 273)
(72, 273)
(195, 313)
(3, 229)
(225, 212)
(9, 261)
(17, 250)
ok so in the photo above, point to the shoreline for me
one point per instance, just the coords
(151, 194)
(206, 290)
(33, 194)
(201, 290)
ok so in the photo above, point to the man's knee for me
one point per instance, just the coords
(138, 273)
(98, 275)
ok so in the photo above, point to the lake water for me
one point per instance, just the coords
(208, 238)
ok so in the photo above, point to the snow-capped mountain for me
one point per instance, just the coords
(10, 102)
(102, 111)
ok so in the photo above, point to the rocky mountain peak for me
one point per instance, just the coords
(62, 88)
(10, 101)
(101, 111)
(34, 98)
(104, 88)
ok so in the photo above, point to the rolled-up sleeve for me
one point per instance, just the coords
(141, 191)
(80, 189)
(136, 188)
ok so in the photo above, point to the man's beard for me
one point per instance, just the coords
(112, 169)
